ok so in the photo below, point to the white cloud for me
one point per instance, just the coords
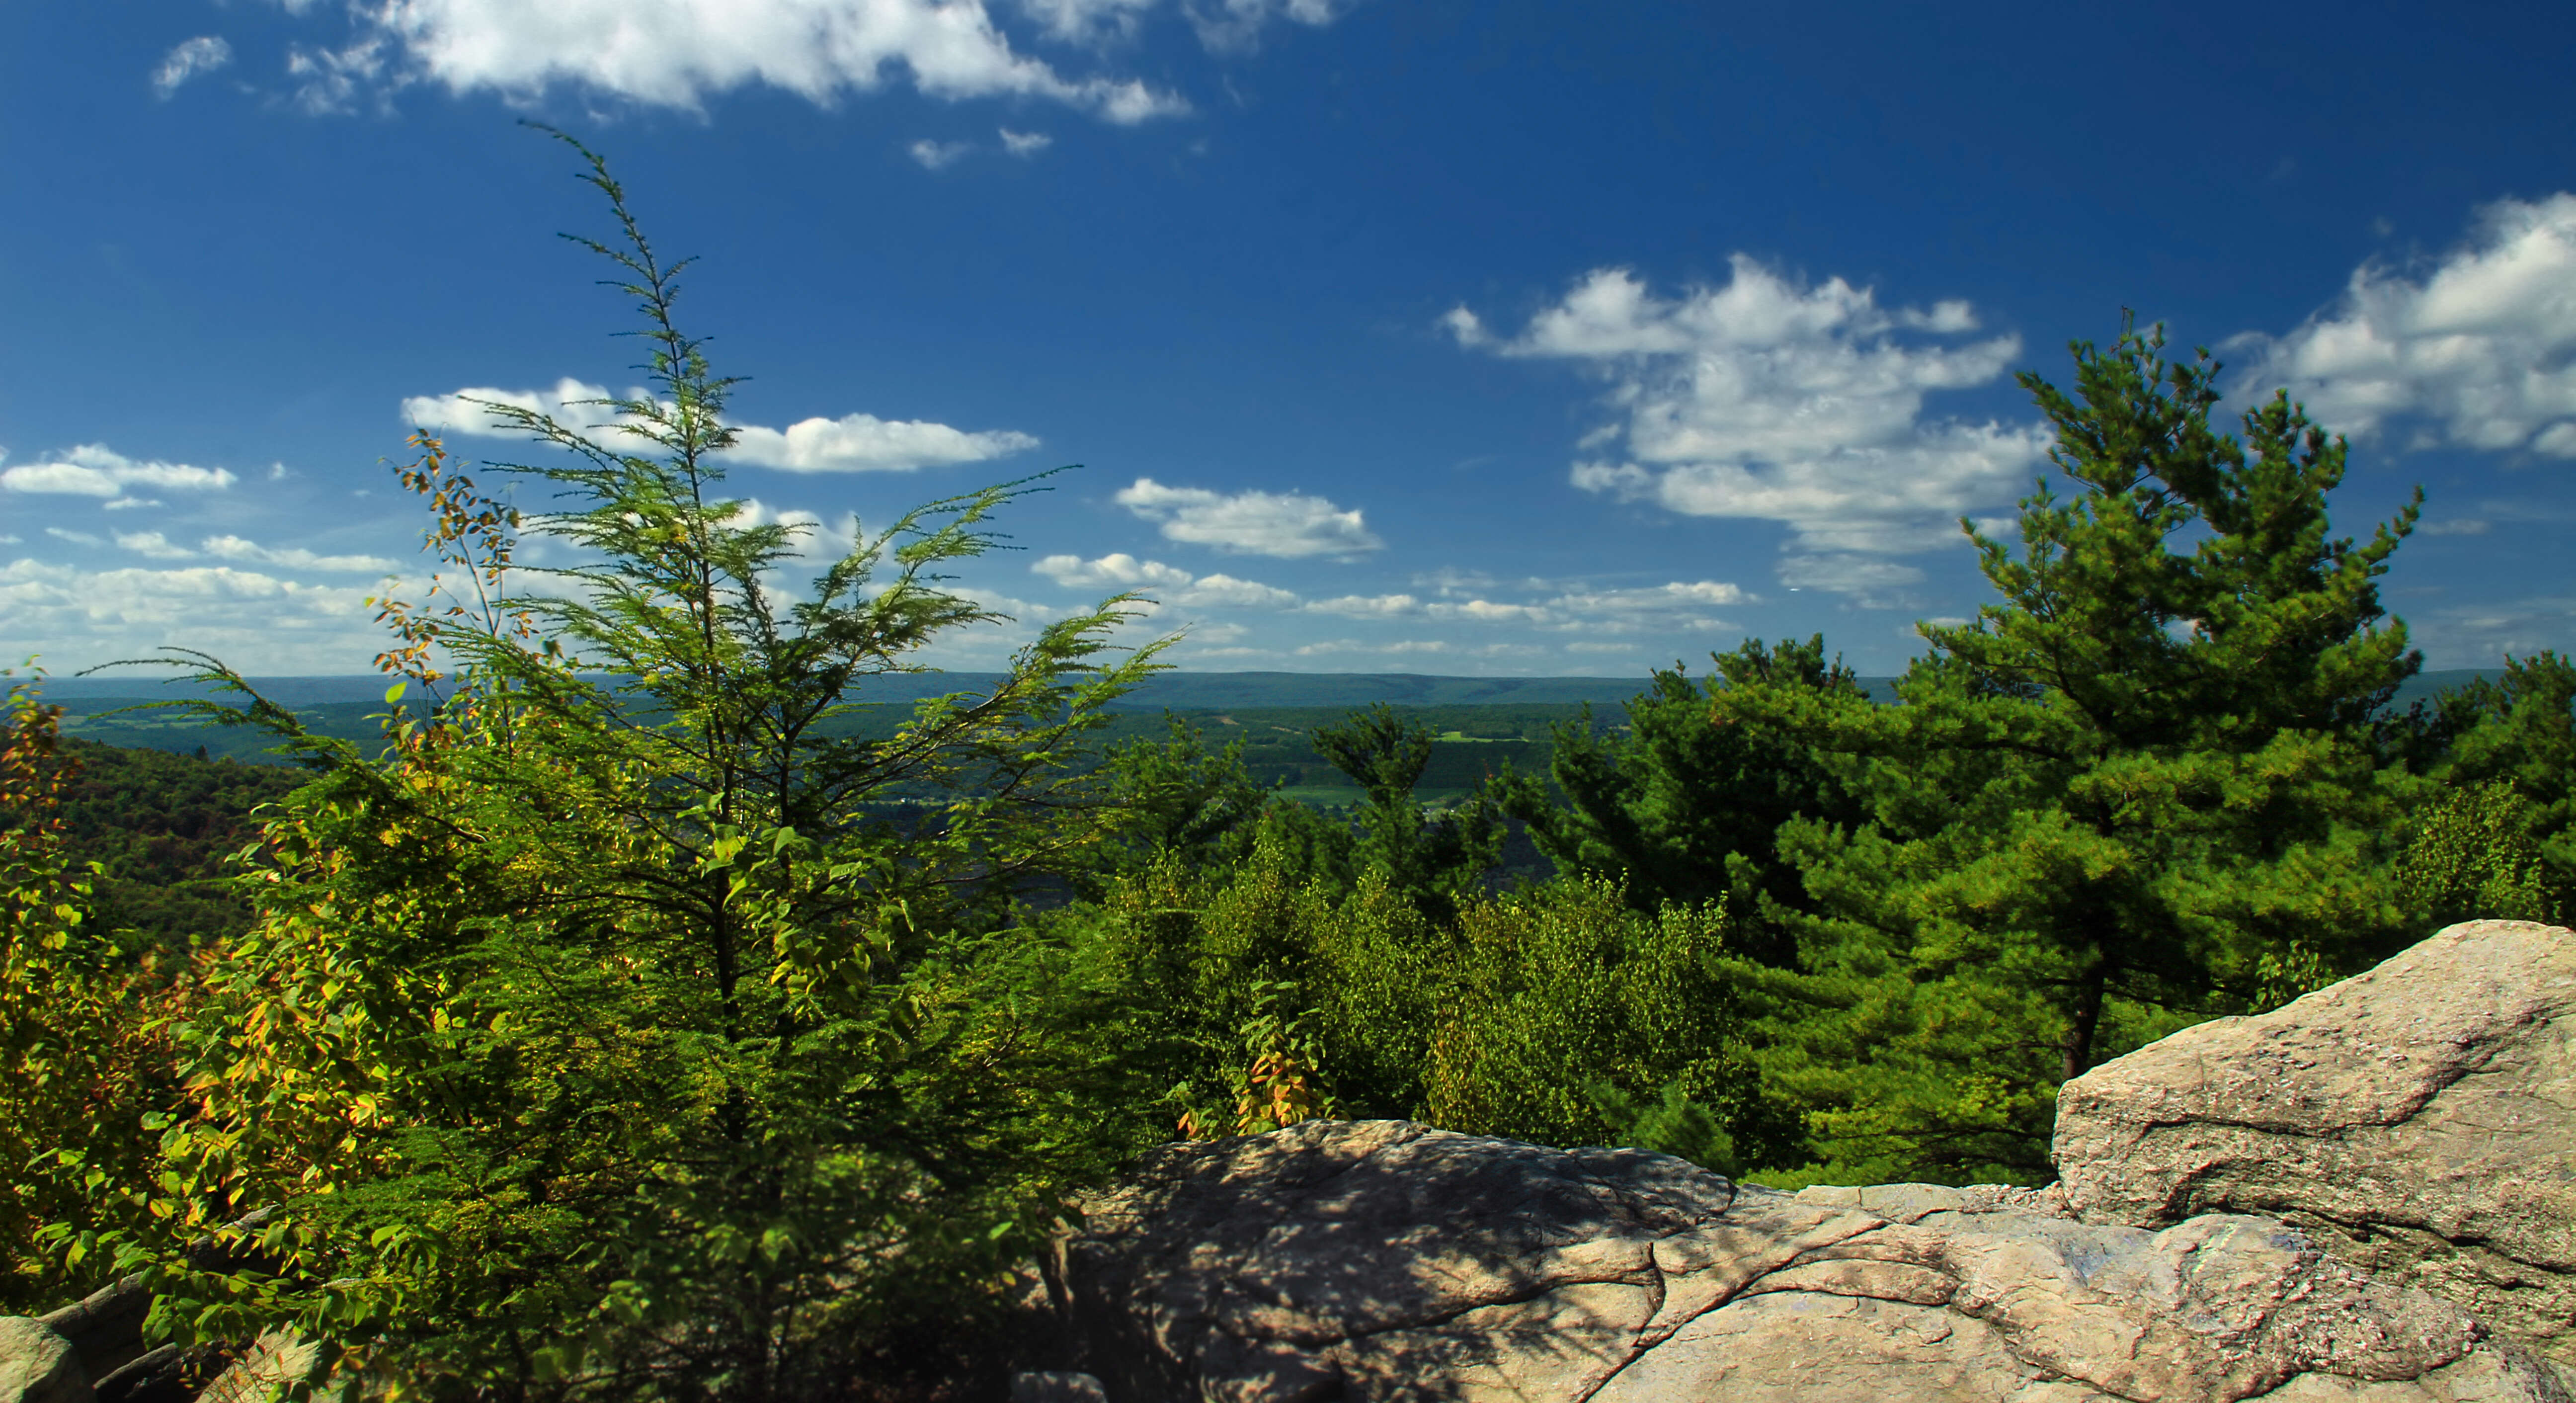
(120, 504)
(865, 443)
(1025, 144)
(78, 538)
(92, 470)
(159, 546)
(851, 443)
(1449, 580)
(296, 557)
(203, 54)
(1236, 25)
(2475, 635)
(1770, 400)
(574, 402)
(1677, 605)
(1119, 570)
(1227, 592)
(254, 621)
(2481, 352)
(1095, 22)
(153, 544)
(677, 53)
(1286, 524)
(1663, 598)
(1405, 646)
(1601, 647)
(1368, 606)
(1176, 586)
(933, 155)
(1873, 583)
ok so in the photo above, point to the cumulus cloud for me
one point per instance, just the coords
(203, 54)
(1873, 583)
(1119, 570)
(153, 544)
(1175, 585)
(1771, 400)
(1227, 592)
(254, 620)
(866, 443)
(294, 557)
(1096, 22)
(1403, 646)
(936, 155)
(1676, 605)
(2479, 352)
(1289, 525)
(93, 470)
(851, 443)
(1236, 25)
(469, 411)
(1025, 143)
(677, 53)
(159, 546)
(1678, 598)
(1368, 606)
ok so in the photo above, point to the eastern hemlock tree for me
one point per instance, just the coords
(2104, 805)
(611, 1038)
(1685, 805)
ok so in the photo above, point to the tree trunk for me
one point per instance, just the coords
(2077, 1050)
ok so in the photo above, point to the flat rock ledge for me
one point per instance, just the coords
(2417, 1121)
(1383, 1260)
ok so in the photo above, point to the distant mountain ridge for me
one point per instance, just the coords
(1176, 691)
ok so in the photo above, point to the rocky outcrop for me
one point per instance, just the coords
(37, 1365)
(2418, 1121)
(1384, 1260)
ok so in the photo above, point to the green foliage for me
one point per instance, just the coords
(84, 1050)
(1567, 1009)
(612, 1039)
(1434, 860)
(2501, 840)
(1176, 796)
(1557, 1014)
(1685, 805)
(159, 825)
(2103, 803)
(2477, 854)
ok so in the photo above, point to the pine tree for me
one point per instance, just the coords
(1684, 806)
(2103, 804)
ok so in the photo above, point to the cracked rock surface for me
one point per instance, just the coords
(1384, 1260)
(2417, 1121)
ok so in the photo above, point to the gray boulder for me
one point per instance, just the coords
(38, 1365)
(1383, 1260)
(2417, 1121)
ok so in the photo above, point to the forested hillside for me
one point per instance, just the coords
(709, 1036)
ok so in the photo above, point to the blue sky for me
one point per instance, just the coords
(1430, 337)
